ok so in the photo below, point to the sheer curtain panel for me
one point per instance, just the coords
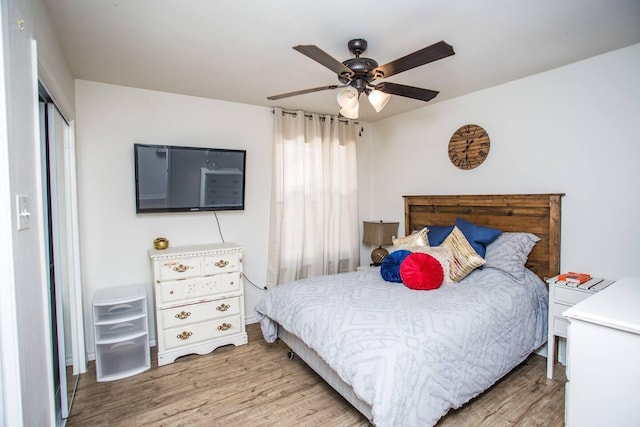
(314, 197)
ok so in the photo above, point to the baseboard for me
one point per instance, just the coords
(91, 356)
(542, 350)
(248, 320)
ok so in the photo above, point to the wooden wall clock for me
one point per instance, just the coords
(469, 146)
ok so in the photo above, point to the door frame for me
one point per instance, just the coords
(10, 403)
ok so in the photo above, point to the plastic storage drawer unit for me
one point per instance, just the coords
(121, 332)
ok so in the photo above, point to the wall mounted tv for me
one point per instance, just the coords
(188, 179)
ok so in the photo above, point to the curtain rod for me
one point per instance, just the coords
(309, 115)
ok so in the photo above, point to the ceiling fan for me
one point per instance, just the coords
(358, 74)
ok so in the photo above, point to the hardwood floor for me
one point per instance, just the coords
(256, 384)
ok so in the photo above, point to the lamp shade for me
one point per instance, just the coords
(379, 233)
(348, 98)
(378, 99)
(350, 113)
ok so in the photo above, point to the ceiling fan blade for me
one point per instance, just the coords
(301, 92)
(407, 91)
(323, 58)
(423, 56)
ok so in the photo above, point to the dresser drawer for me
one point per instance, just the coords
(570, 296)
(560, 325)
(188, 314)
(203, 287)
(198, 332)
(180, 268)
(186, 289)
(229, 282)
(211, 286)
(221, 263)
(557, 309)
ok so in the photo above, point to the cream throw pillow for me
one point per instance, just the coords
(417, 238)
(440, 253)
(463, 258)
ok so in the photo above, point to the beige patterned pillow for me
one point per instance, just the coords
(442, 254)
(417, 238)
(463, 258)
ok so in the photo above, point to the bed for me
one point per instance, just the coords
(405, 357)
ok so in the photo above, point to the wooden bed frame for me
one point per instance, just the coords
(534, 213)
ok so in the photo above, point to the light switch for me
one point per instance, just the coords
(22, 212)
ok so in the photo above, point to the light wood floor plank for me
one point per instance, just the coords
(256, 384)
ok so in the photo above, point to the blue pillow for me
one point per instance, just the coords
(390, 267)
(437, 234)
(479, 237)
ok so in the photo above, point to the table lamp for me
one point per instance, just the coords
(379, 234)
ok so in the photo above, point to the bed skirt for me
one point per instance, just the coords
(316, 363)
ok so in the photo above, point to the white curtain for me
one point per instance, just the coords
(314, 197)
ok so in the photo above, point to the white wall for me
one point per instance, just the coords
(574, 130)
(114, 239)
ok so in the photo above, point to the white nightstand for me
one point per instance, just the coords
(368, 268)
(561, 297)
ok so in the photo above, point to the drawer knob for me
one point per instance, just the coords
(223, 307)
(181, 268)
(183, 315)
(184, 335)
(224, 327)
(221, 263)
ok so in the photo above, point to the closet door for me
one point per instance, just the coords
(54, 243)
(68, 355)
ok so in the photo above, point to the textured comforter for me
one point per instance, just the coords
(412, 355)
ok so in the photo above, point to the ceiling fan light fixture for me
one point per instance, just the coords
(350, 113)
(378, 99)
(348, 98)
(356, 75)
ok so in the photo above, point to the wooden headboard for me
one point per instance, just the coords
(534, 213)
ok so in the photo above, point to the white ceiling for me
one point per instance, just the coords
(241, 50)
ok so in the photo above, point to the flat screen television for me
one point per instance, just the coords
(188, 179)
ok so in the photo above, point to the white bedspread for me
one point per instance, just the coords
(412, 355)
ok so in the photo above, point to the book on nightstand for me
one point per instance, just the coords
(573, 277)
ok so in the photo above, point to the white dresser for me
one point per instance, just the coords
(199, 299)
(603, 358)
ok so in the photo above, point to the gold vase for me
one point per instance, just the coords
(161, 243)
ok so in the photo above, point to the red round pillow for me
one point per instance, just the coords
(421, 271)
